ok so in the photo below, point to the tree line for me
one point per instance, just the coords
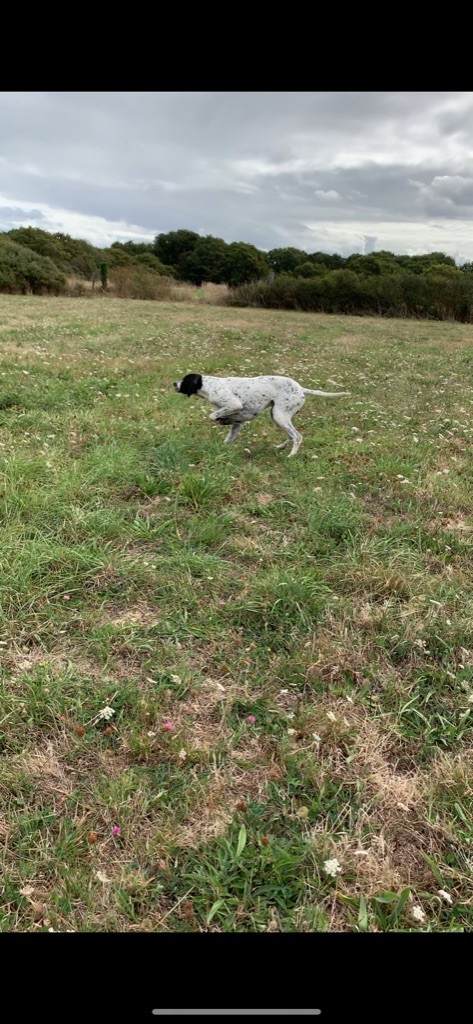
(385, 283)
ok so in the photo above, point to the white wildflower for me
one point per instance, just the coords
(182, 754)
(445, 896)
(175, 679)
(105, 713)
(332, 867)
(331, 716)
(302, 812)
(27, 890)
(418, 913)
(291, 732)
(316, 737)
(102, 877)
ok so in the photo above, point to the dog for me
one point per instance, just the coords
(237, 400)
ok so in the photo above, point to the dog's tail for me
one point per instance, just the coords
(325, 394)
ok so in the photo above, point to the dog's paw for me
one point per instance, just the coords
(213, 416)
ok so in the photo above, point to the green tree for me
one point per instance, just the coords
(206, 262)
(135, 248)
(285, 260)
(419, 264)
(149, 260)
(309, 269)
(244, 263)
(23, 270)
(374, 263)
(173, 247)
(71, 255)
(41, 242)
(80, 257)
(442, 270)
(117, 256)
(331, 262)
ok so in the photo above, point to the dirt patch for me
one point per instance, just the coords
(389, 836)
(135, 615)
(225, 791)
(207, 823)
(48, 773)
(457, 524)
(199, 718)
(19, 661)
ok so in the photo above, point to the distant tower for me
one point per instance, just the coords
(369, 244)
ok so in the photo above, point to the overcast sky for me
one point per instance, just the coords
(333, 171)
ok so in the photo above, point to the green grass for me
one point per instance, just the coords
(148, 568)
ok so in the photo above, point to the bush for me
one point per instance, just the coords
(149, 260)
(440, 294)
(135, 282)
(22, 270)
(73, 256)
(76, 288)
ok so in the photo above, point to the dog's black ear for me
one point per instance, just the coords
(190, 384)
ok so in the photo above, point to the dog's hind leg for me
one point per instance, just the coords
(232, 433)
(283, 420)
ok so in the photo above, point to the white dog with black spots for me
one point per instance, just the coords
(237, 400)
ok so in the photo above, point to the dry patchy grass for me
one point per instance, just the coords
(285, 646)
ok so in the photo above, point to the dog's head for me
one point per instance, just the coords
(189, 385)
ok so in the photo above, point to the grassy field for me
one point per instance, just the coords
(285, 644)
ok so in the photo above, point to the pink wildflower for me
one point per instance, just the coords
(116, 830)
(168, 726)
(251, 719)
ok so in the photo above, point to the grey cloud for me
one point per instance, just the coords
(447, 195)
(307, 169)
(16, 215)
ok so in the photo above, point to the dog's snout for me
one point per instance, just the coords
(176, 385)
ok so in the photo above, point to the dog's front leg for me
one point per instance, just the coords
(232, 433)
(233, 405)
